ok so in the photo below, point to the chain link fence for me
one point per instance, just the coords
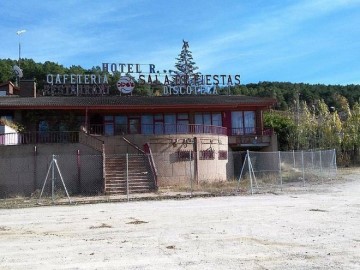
(164, 174)
(287, 170)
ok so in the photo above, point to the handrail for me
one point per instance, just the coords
(158, 129)
(133, 145)
(91, 141)
(152, 163)
(251, 131)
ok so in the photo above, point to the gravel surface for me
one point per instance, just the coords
(315, 230)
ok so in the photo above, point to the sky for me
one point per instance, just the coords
(298, 41)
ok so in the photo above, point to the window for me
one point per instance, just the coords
(204, 122)
(182, 123)
(134, 125)
(121, 124)
(109, 125)
(249, 122)
(170, 123)
(147, 124)
(243, 122)
(223, 155)
(207, 154)
(159, 123)
(185, 155)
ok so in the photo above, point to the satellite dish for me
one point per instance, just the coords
(18, 72)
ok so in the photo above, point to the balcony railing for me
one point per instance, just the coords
(156, 129)
(251, 131)
(39, 137)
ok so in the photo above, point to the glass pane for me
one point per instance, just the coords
(121, 124)
(183, 116)
(170, 124)
(159, 116)
(108, 118)
(147, 124)
(249, 122)
(207, 119)
(237, 123)
(134, 126)
(199, 119)
(183, 126)
(121, 119)
(216, 119)
(159, 128)
(109, 129)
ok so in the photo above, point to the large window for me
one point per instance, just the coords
(204, 122)
(164, 123)
(243, 122)
(158, 123)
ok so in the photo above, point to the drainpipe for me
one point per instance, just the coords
(35, 167)
(86, 120)
(195, 158)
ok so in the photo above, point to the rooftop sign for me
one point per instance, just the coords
(173, 83)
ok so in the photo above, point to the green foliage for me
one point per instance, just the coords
(284, 126)
(14, 125)
(185, 64)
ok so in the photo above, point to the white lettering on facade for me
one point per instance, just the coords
(76, 79)
(189, 90)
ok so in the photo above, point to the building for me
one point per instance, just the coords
(199, 127)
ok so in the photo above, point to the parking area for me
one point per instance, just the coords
(295, 230)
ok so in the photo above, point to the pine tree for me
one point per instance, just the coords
(186, 68)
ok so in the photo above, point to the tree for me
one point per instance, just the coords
(186, 67)
(351, 134)
(284, 126)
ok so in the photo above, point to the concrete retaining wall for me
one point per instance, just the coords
(24, 168)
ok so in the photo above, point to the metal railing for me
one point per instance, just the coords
(251, 131)
(91, 141)
(156, 129)
(152, 163)
(39, 137)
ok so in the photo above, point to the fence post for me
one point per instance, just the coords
(35, 167)
(302, 165)
(320, 162)
(250, 175)
(334, 163)
(53, 179)
(191, 182)
(312, 159)
(78, 164)
(294, 158)
(280, 172)
(127, 176)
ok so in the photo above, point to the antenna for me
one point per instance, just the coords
(18, 71)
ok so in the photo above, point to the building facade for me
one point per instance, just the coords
(172, 129)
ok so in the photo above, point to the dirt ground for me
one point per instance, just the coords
(295, 230)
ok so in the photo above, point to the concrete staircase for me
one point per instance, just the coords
(140, 175)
